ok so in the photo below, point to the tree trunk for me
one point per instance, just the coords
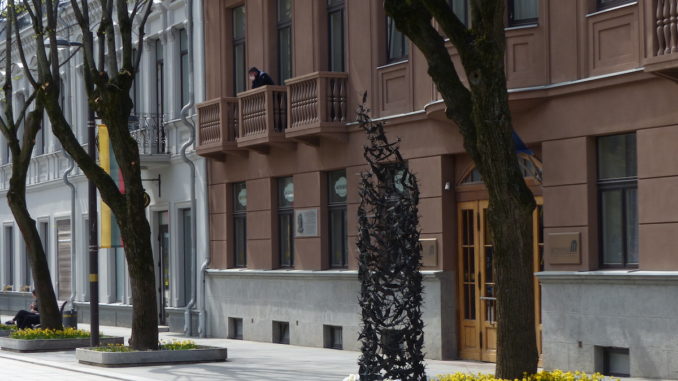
(16, 198)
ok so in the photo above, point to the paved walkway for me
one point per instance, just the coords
(247, 361)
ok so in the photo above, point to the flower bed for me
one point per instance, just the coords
(555, 375)
(173, 352)
(40, 339)
(6, 330)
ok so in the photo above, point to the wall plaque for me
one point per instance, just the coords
(429, 252)
(306, 222)
(564, 248)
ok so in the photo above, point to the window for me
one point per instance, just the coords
(333, 337)
(183, 66)
(9, 256)
(240, 224)
(338, 242)
(235, 328)
(136, 89)
(617, 196)
(396, 43)
(335, 12)
(286, 221)
(63, 258)
(159, 76)
(606, 4)
(187, 248)
(284, 40)
(239, 70)
(615, 361)
(523, 12)
(461, 9)
(281, 332)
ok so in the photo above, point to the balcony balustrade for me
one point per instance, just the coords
(218, 121)
(151, 136)
(317, 105)
(263, 117)
(665, 60)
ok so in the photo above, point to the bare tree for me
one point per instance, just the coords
(20, 128)
(482, 113)
(108, 79)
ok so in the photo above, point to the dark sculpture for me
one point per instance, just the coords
(389, 262)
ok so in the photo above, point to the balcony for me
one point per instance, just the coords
(317, 105)
(151, 135)
(218, 127)
(664, 61)
(263, 118)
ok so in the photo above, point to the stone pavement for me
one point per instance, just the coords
(251, 361)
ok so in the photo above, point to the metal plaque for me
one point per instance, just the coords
(306, 222)
(564, 248)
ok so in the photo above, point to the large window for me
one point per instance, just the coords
(159, 78)
(335, 12)
(617, 191)
(461, 9)
(9, 256)
(336, 199)
(396, 43)
(64, 275)
(286, 221)
(523, 12)
(240, 224)
(187, 248)
(284, 40)
(605, 4)
(239, 70)
(183, 66)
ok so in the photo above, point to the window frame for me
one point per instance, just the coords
(284, 25)
(602, 5)
(336, 6)
(341, 208)
(239, 215)
(513, 22)
(465, 20)
(624, 185)
(183, 71)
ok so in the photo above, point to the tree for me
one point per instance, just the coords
(482, 114)
(20, 127)
(111, 61)
(390, 258)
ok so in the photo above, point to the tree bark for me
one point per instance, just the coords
(482, 113)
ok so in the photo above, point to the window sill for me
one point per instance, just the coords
(520, 27)
(396, 63)
(611, 9)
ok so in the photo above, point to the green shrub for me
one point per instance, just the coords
(113, 348)
(177, 345)
(5, 327)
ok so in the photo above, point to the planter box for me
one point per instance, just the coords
(19, 345)
(5, 332)
(141, 358)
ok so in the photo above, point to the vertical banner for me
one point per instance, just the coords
(110, 232)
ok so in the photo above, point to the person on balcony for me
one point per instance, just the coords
(259, 78)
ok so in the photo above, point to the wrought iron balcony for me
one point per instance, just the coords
(263, 117)
(217, 127)
(151, 135)
(317, 106)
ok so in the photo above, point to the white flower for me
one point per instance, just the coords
(352, 377)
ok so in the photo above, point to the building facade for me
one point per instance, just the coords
(591, 89)
(160, 91)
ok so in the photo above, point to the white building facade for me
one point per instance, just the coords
(177, 210)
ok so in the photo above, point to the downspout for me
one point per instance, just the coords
(202, 328)
(71, 166)
(188, 326)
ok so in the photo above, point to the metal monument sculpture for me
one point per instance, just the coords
(389, 262)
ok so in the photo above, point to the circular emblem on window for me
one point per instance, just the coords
(288, 192)
(340, 187)
(242, 197)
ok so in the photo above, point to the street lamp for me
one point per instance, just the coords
(93, 223)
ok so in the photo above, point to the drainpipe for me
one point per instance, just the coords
(188, 326)
(68, 171)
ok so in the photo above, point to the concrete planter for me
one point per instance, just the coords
(5, 332)
(20, 345)
(140, 358)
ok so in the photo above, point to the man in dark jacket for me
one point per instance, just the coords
(259, 78)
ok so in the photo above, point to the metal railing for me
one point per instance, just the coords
(150, 133)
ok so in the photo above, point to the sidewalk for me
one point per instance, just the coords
(247, 360)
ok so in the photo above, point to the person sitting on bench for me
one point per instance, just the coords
(27, 319)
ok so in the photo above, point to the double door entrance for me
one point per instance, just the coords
(477, 289)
